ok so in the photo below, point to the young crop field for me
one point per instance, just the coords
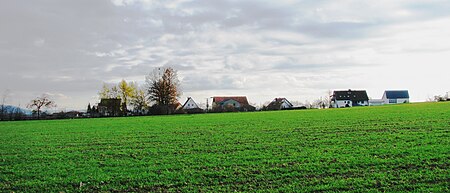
(387, 148)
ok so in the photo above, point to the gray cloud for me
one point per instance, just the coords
(68, 48)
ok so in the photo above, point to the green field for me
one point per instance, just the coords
(388, 148)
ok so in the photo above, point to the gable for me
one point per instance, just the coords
(190, 104)
(279, 103)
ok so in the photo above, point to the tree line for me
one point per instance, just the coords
(159, 94)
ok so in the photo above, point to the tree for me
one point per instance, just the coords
(139, 101)
(89, 109)
(109, 91)
(126, 91)
(105, 93)
(439, 98)
(40, 102)
(3, 110)
(123, 90)
(318, 103)
(163, 88)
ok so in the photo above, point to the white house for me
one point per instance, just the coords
(395, 96)
(280, 103)
(349, 98)
(190, 104)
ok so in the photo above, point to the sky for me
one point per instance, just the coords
(262, 49)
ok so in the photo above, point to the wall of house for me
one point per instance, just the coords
(232, 103)
(190, 105)
(399, 101)
(361, 103)
(342, 103)
(404, 100)
(285, 105)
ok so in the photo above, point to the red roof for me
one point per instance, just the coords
(241, 99)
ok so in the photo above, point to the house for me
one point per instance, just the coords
(231, 103)
(349, 98)
(279, 104)
(110, 107)
(190, 106)
(395, 96)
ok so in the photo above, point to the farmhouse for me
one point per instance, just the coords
(279, 104)
(395, 96)
(110, 107)
(231, 103)
(190, 106)
(349, 98)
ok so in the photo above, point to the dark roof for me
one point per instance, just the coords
(276, 103)
(109, 102)
(240, 99)
(353, 95)
(396, 94)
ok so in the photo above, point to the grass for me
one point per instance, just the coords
(370, 149)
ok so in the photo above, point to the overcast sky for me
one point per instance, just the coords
(259, 48)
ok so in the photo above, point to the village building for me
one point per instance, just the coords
(190, 106)
(232, 103)
(349, 98)
(395, 97)
(279, 104)
(109, 107)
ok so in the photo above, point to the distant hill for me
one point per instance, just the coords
(10, 109)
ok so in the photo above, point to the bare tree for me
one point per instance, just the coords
(327, 99)
(163, 88)
(318, 103)
(308, 104)
(40, 102)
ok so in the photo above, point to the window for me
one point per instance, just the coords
(392, 100)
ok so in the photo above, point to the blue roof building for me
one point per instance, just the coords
(396, 96)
